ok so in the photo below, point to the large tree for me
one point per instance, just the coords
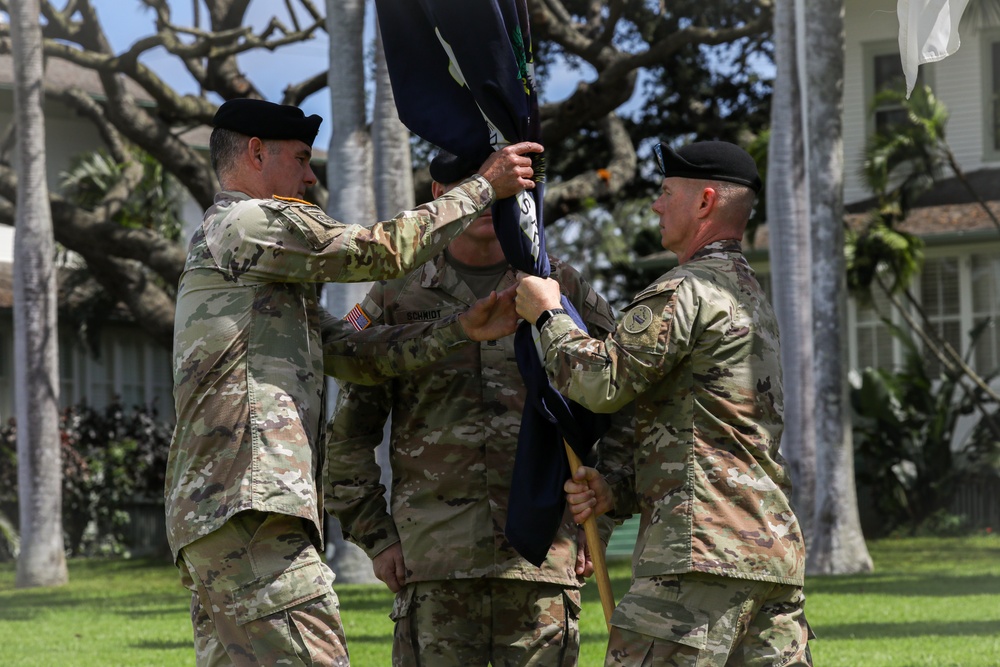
(805, 216)
(787, 198)
(838, 546)
(42, 560)
(686, 62)
(352, 199)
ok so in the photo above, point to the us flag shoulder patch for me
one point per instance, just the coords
(358, 318)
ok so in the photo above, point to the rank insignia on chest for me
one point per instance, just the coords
(358, 318)
(638, 319)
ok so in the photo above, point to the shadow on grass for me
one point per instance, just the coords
(911, 629)
(171, 610)
(29, 607)
(364, 597)
(929, 585)
(160, 645)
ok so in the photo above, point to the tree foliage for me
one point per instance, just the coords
(691, 69)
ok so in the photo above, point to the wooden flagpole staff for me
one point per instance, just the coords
(595, 548)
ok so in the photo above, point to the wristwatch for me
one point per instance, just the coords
(546, 316)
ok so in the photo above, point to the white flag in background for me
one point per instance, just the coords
(928, 32)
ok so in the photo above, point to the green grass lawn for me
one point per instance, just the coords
(931, 601)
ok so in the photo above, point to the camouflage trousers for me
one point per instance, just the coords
(262, 595)
(703, 620)
(478, 622)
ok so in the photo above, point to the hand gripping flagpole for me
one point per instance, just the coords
(595, 548)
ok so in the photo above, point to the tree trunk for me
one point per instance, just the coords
(42, 560)
(349, 181)
(788, 219)
(837, 545)
(393, 167)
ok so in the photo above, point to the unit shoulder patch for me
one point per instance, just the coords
(638, 319)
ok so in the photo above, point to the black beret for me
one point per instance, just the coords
(447, 168)
(267, 120)
(710, 161)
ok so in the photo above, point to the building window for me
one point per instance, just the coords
(995, 94)
(873, 338)
(162, 399)
(132, 383)
(941, 300)
(888, 76)
(883, 71)
(67, 371)
(985, 281)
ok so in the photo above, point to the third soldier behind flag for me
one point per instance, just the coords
(464, 596)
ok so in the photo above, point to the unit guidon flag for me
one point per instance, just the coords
(462, 74)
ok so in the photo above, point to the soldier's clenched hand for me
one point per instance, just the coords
(535, 295)
(587, 493)
(491, 317)
(509, 170)
(389, 567)
(584, 561)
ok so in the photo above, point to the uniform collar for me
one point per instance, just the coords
(437, 273)
(717, 248)
(231, 195)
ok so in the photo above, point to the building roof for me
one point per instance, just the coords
(937, 225)
(61, 74)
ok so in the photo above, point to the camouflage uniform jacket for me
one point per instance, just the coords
(453, 440)
(697, 351)
(251, 346)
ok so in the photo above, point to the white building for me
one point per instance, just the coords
(960, 283)
(129, 364)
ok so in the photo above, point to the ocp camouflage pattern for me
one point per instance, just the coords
(251, 345)
(697, 353)
(465, 622)
(454, 437)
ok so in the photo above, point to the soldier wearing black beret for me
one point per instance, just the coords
(709, 161)
(720, 564)
(251, 347)
(260, 118)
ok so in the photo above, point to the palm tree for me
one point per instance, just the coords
(789, 237)
(805, 216)
(352, 199)
(838, 545)
(42, 560)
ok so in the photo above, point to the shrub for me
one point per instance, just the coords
(110, 458)
(904, 438)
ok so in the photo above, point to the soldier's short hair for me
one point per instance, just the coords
(224, 148)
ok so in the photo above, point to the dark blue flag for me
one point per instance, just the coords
(462, 74)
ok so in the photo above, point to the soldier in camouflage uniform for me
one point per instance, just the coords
(464, 597)
(251, 346)
(718, 565)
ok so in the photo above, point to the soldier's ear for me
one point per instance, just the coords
(255, 152)
(436, 189)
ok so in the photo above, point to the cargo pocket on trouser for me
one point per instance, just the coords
(293, 615)
(572, 605)
(405, 652)
(663, 619)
